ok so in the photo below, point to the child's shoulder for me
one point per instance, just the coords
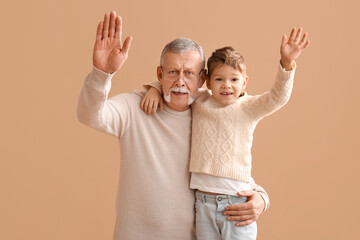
(202, 95)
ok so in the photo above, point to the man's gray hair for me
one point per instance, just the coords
(181, 45)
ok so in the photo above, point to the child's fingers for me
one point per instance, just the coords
(303, 40)
(306, 44)
(149, 107)
(161, 105)
(142, 104)
(298, 35)
(154, 108)
(283, 40)
(292, 34)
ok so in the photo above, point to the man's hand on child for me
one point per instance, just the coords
(151, 101)
(291, 48)
(248, 212)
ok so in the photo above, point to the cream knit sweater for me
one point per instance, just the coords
(154, 201)
(222, 135)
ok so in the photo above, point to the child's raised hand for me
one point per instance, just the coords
(151, 101)
(291, 48)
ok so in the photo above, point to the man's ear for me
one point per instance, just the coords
(159, 73)
(202, 78)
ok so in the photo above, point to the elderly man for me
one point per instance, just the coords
(154, 199)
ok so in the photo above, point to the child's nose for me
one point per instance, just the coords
(226, 84)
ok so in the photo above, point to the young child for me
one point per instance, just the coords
(223, 122)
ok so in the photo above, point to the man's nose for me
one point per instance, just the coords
(180, 80)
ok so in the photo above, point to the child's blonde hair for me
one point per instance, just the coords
(228, 56)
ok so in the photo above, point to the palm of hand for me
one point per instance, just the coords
(292, 48)
(291, 51)
(108, 54)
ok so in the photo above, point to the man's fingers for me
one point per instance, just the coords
(105, 32)
(246, 193)
(112, 25)
(235, 213)
(127, 45)
(283, 40)
(244, 223)
(118, 30)
(241, 218)
(99, 31)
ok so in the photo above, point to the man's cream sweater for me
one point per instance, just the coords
(222, 135)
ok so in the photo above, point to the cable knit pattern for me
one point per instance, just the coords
(222, 135)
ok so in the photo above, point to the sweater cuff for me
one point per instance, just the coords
(284, 74)
(156, 85)
(99, 79)
(267, 203)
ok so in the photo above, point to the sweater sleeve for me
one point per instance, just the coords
(265, 104)
(96, 110)
(156, 85)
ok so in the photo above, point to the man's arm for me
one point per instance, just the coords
(94, 109)
(246, 213)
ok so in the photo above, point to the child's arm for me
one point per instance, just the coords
(151, 101)
(265, 104)
(153, 97)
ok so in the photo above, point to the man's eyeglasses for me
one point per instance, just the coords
(173, 75)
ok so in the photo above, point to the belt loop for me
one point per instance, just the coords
(204, 197)
(229, 199)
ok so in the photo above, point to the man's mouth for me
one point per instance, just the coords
(179, 93)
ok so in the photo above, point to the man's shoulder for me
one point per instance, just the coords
(132, 97)
(130, 101)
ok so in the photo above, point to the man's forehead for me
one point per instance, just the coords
(186, 60)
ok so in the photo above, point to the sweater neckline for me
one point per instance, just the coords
(185, 113)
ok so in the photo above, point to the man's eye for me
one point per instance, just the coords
(172, 72)
(188, 73)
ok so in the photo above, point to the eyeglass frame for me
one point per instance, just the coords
(178, 75)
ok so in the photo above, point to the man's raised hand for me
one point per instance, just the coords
(109, 55)
(291, 48)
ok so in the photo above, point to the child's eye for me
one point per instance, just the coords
(234, 79)
(218, 79)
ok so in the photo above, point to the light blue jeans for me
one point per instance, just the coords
(211, 223)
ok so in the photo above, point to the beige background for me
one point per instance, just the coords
(58, 178)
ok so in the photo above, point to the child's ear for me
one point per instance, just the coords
(208, 81)
(246, 78)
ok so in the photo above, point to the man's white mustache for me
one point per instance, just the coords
(179, 89)
(167, 97)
